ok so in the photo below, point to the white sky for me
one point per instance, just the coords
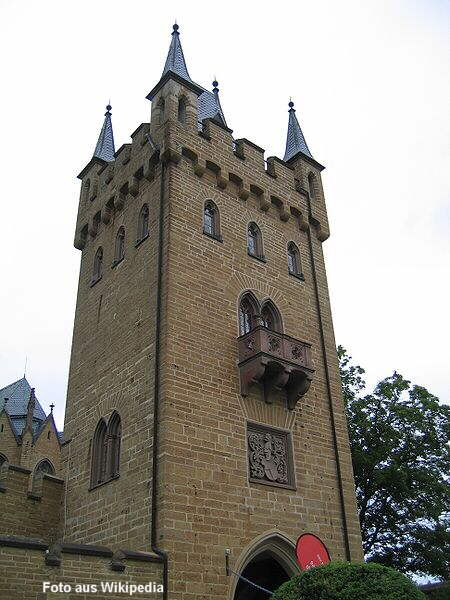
(370, 81)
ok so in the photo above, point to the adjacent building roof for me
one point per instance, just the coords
(105, 144)
(18, 394)
(18, 397)
(295, 141)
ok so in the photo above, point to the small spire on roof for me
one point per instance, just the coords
(295, 141)
(105, 144)
(175, 61)
(52, 406)
(219, 114)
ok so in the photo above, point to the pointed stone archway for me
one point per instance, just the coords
(268, 563)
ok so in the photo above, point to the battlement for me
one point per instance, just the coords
(30, 507)
(238, 165)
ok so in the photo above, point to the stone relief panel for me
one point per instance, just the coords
(270, 457)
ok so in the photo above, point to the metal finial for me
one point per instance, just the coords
(175, 28)
(108, 108)
(215, 86)
(52, 406)
(291, 104)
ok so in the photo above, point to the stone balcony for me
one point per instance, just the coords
(277, 362)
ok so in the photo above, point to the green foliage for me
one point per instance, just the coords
(349, 581)
(399, 437)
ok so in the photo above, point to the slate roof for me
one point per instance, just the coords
(208, 106)
(105, 144)
(18, 394)
(295, 141)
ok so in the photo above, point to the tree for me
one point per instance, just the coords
(399, 437)
(349, 581)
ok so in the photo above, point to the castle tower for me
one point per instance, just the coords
(204, 408)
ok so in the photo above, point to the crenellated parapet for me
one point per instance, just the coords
(238, 165)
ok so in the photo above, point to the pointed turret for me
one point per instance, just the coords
(105, 146)
(175, 61)
(295, 141)
(219, 114)
(175, 67)
(208, 104)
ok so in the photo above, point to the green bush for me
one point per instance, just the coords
(349, 581)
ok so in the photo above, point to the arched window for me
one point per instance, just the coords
(311, 186)
(114, 438)
(87, 189)
(270, 316)
(182, 110)
(98, 265)
(248, 311)
(254, 241)
(119, 251)
(99, 449)
(294, 262)
(143, 222)
(211, 224)
(160, 111)
(45, 466)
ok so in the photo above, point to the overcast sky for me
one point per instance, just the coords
(370, 81)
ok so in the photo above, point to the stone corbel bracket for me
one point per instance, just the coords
(273, 375)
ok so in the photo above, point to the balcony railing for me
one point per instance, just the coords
(276, 361)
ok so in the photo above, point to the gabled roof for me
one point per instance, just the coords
(105, 144)
(18, 394)
(295, 141)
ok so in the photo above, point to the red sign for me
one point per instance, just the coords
(311, 552)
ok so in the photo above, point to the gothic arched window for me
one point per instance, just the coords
(87, 189)
(254, 241)
(119, 251)
(45, 466)
(114, 434)
(160, 111)
(143, 223)
(248, 311)
(311, 186)
(270, 316)
(294, 262)
(99, 449)
(211, 225)
(182, 110)
(98, 265)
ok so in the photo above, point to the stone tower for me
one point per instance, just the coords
(204, 413)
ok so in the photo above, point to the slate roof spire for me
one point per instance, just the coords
(105, 145)
(219, 114)
(175, 61)
(295, 141)
(208, 103)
